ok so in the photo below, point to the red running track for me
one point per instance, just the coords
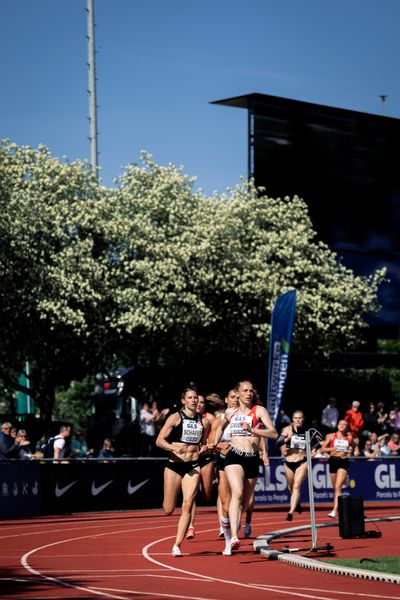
(127, 555)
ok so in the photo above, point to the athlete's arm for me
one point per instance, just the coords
(170, 423)
(263, 416)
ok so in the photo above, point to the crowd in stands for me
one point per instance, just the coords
(375, 427)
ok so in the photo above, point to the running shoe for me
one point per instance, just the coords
(190, 533)
(247, 530)
(176, 551)
(299, 508)
(332, 515)
(227, 550)
(289, 517)
(234, 543)
(221, 533)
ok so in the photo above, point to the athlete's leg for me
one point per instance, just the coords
(290, 481)
(190, 483)
(224, 497)
(340, 479)
(172, 486)
(207, 478)
(299, 477)
(249, 514)
(235, 476)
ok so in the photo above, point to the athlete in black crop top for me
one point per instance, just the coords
(293, 448)
(184, 436)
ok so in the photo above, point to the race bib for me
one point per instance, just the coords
(236, 424)
(297, 442)
(192, 432)
(341, 445)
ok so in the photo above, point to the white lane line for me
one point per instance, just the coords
(263, 587)
(152, 594)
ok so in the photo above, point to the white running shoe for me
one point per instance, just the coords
(332, 515)
(221, 533)
(227, 550)
(176, 551)
(247, 530)
(234, 543)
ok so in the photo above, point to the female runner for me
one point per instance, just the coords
(340, 445)
(293, 447)
(224, 492)
(182, 435)
(206, 407)
(243, 459)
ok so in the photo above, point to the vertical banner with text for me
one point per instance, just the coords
(282, 323)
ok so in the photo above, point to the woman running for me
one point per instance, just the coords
(293, 447)
(339, 445)
(207, 408)
(243, 459)
(183, 435)
(224, 492)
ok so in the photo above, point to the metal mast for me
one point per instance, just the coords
(94, 155)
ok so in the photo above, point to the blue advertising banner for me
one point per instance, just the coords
(282, 322)
(373, 480)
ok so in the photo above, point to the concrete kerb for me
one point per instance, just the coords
(262, 545)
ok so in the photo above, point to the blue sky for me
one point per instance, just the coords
(161, 62)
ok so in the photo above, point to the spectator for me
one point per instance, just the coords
(382, 418)
(148, 420)
(394, 418)
(373, 437)
(60, 442)
(10, 447)
(394, 444)
(79, 447)
(370, 420)
(107, 451)
(330, 416)
(369, 452)
(355, 419)
(384, 449)
(24, 450)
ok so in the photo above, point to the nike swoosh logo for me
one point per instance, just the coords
(60, 491)
(134, 488)
(98, 489)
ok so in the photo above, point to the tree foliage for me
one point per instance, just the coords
(154, 268)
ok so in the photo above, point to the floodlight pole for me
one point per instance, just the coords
(94, 155)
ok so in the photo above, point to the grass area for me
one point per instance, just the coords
(384, 564)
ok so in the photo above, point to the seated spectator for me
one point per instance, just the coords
(107, 451)
(355, 419)
(372, 436)
(330, 416)
(394, 443)
(383, 445)
(370, 452)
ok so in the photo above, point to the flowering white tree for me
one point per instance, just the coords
(153, 267)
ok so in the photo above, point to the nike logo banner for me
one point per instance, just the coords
(60, 491)
(134, 488)
(96, 490)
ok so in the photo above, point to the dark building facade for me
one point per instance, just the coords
(346, 166)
